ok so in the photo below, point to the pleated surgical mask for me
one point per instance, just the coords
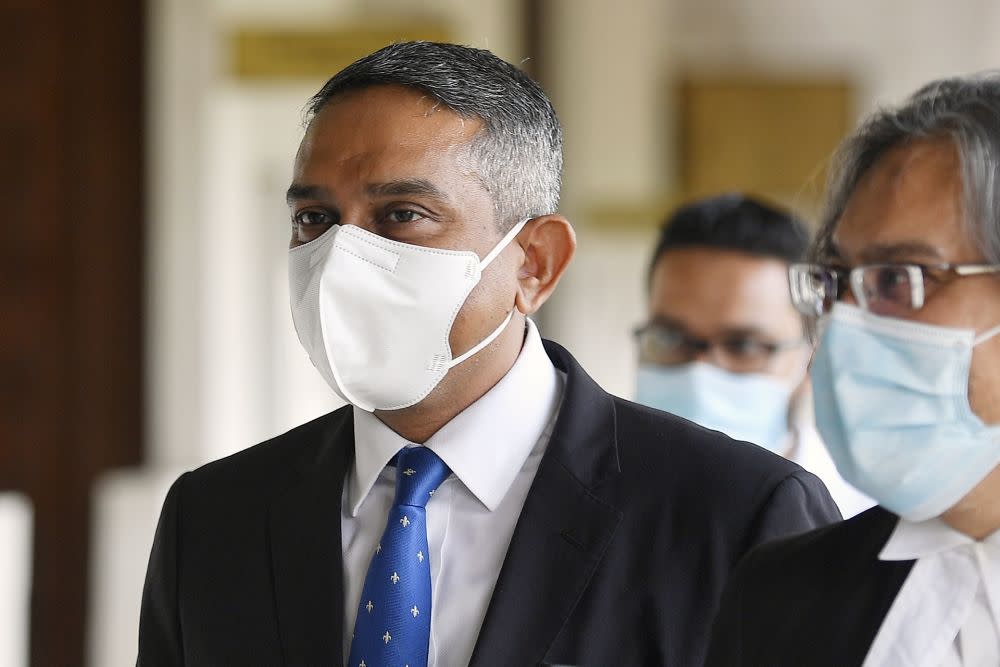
(744, 406)
(892, 404)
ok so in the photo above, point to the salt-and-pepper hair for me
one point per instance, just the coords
(519, 149)
(965, 110)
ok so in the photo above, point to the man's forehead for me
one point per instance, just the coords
(389, 112)
(908, 205)
(713, 290)
(395, 130)
(914, 175)
(706, 265)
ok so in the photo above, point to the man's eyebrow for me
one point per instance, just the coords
(734, 331)
(747, 331)
(299, 191)
(407, 188)
(906, 250)
(668, 322)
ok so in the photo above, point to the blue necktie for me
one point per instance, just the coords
(393, 626)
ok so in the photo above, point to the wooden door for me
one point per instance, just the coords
(71, 262)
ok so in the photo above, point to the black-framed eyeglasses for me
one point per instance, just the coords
(885, 289)
(665, 345)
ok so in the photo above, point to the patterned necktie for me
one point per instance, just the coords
(393, 625)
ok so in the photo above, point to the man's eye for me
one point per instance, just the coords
(308, 218)
(403, 215)
(745, 347)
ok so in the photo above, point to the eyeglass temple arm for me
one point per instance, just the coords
(975, 269)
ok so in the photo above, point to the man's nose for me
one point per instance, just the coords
(847, 297)
(716, 356)
(705, 354)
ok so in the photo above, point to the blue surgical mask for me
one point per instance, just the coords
(744, 406)
(892, 404)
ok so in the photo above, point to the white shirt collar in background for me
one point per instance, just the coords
(912, 540)
(945, 614)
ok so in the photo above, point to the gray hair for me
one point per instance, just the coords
(965, 110)
(518, 150)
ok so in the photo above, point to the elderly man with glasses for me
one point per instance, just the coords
(723, 346)
(905, 293)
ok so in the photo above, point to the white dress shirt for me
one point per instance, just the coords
(945, 614)
(493, 448)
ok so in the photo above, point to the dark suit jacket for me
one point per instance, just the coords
(628, 534)
(816, 599)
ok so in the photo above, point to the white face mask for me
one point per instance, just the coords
(375, 315)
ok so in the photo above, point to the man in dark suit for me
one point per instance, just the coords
(478, 467)
(907, 396)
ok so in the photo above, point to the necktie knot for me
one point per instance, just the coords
(419, 472)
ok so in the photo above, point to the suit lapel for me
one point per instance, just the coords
(306, 553)
(868, 587)
(564, 529)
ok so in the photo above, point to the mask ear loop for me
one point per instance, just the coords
(504, 242)
(497, 249)
(986, 335)
(483, 343)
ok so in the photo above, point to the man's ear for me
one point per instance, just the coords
(549, 244)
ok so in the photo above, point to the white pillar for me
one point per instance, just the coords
(15, 578)
(606, 67)
(180, 70)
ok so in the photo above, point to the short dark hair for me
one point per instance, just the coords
(734, 222)
(519, 149)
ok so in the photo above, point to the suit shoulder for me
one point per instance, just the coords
(743, 491)
(647, 435)
(825, 550)
(271, 459)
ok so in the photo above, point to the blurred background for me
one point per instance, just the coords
(144, 324)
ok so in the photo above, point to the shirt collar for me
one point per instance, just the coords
(486, 444)
(911, 540)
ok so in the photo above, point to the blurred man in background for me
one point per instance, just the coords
(723, 346)
(906, 283)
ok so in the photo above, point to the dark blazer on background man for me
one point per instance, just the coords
(631, 528)
(812, 600)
